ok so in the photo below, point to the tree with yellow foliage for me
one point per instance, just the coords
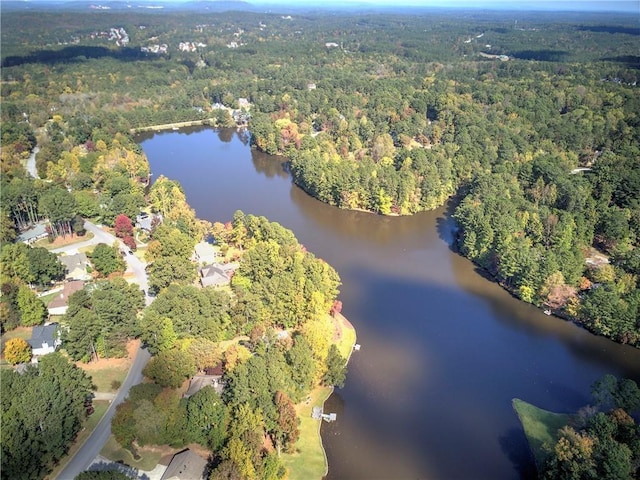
(17, 350)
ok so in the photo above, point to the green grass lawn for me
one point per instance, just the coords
(147, 461)
(103, 379)
(62, 241)
(540, 427)
(309, 461)
(47, 298)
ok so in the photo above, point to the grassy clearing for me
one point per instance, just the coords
(148, 460)
(47, 298)
(19, 332)
(103, 379)
(540, 427)
(107, 370)
(63, 241)
(309, 461)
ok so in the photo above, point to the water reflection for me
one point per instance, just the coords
(402, 232)
(516, 314)
(269, 165)
(226, 134)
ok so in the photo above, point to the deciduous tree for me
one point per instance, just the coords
(32, 309)
(170, 368)
(17, 350)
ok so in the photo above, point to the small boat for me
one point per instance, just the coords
(547, 311)
(175, 128)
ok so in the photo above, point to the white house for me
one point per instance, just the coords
(45, 339)
(205, 253)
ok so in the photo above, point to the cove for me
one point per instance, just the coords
(444, 349)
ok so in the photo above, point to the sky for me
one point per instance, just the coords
(629, 6)
(632, 6)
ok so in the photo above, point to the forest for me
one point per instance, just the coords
(390, 114)
(527, 121)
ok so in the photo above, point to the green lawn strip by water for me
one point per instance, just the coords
(540, 427)
(309, 460)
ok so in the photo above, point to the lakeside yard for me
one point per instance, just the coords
(540, 427)
(310, 461)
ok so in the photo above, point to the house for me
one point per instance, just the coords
(217, 274)
(205, 253)
(212, 377)
(59, 304)
(144, 221)
(76, 266)
(34, 233)
(44, 339)
(185, 465)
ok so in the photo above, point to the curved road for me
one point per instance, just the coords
(92, 446)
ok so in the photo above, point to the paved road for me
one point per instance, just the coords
(91, 448)
(31, 163)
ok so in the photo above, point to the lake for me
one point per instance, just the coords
(444, 349)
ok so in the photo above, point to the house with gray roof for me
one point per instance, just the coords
(76, 266)
(144, 221)
(212, 377)
(34, 233)
(217, 274)
(185, 465)
(45, 339)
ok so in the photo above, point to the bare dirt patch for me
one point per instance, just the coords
(63, 241)
(107, 363)
(108, 374)
(340, 323)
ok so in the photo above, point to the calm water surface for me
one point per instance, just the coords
(444, 350)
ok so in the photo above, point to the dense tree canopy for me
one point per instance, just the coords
(107, 259)
(101, 318)
(605, 443)
(42, 411)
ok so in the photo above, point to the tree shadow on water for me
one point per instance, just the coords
(514, 444)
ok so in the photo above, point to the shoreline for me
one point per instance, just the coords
(170, 126)
(310, 459)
